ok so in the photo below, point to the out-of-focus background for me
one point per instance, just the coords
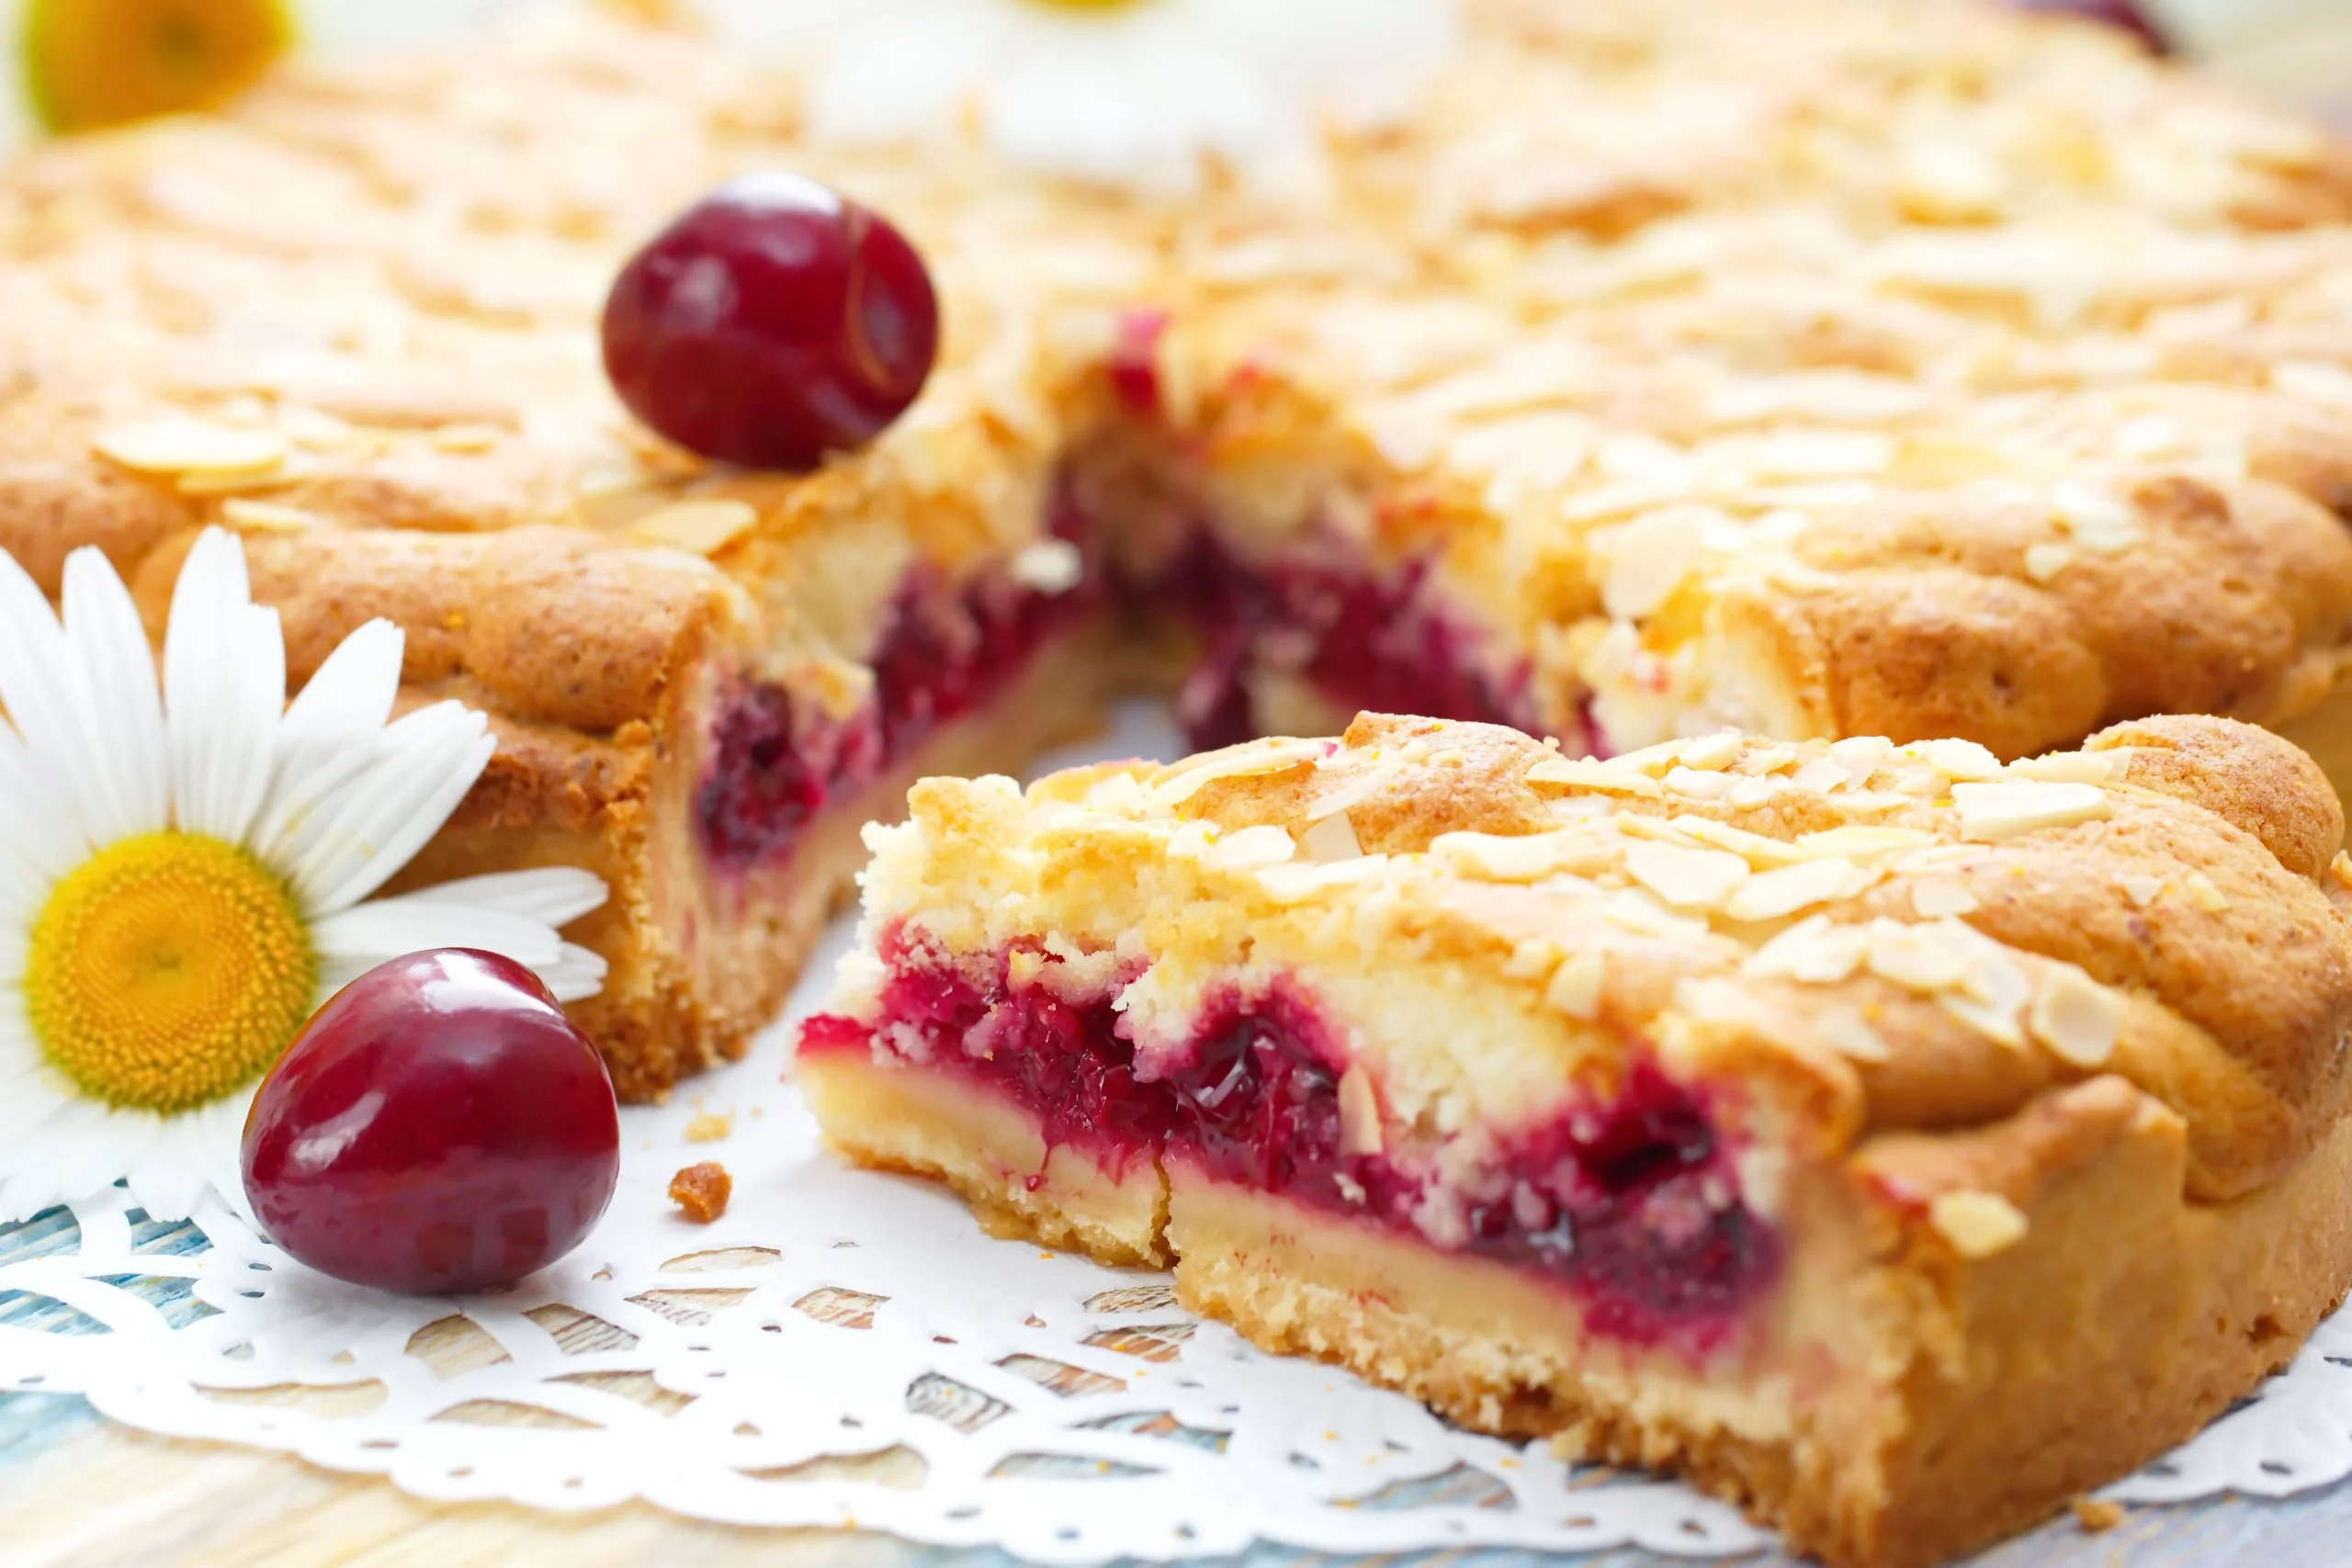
(2295, 51)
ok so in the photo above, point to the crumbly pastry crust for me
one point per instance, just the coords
(2035, 1069)
(1816, 369)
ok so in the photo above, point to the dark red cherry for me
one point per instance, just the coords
(438, 1126)
(771, 324)
(2121, 14)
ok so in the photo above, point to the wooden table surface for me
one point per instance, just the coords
(77, 1492)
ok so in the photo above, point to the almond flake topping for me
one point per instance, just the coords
(1383, 772)
(1235, 761)
(1978, 1224)
(2341, 869)
(181, 446)
(699, 528)
(2072, 767)
(1847, 1032)
(1774, 894)
(1575, 988)
(1589, 773)
(2045, 562)
(1862, 842)
(1330, 838)
(1697, 785)
(1814, 950)
(251, 516)
(1994, 811)
(1359, 1112)
(1295, 882)
(1860, 756)
(1687, 878)
(1936, 897)
(1709, 754)
(1650, 558)
(2143, 890)
(1961, 760)
(1494, 858)
(2204, 895)
(1914, 958)
(2076, 1016)
(1820, 775)
(1252, 849)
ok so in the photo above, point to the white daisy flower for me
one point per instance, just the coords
(183, 871)
(1145, 94)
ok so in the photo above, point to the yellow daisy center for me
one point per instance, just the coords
(92, 63)
(166, 970)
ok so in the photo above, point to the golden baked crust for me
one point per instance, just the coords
(1809, 368)
(2034, 1068)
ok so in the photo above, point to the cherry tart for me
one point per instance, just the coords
(1836, 1124)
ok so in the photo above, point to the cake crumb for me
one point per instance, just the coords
(709, 1127)
(702, 1190)
(2097, 1514)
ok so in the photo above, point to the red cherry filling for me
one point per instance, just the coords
(1632, 1199)
(777, 759)
(1364, 640)
(438, 1126)
(772, 323)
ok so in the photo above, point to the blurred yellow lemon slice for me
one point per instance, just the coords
(92, 63)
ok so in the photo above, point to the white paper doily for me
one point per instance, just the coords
(844, 1349)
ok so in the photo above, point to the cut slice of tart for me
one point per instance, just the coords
(1895, 1141)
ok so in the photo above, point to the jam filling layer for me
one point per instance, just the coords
(1629, 1200)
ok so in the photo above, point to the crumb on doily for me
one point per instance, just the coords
(702, 1190)
(709, 1127)
(2097, 1514)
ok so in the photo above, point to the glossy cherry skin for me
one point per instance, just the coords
(772, 323)
(2121, 14)
(438, 1126)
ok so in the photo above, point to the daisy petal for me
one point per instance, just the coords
(386, 928)
(347, 698)
(353, 840)
(577, 974)
(37, 826)
(37, 685)
(224, 682)
(557, 894)
(168, 1179)
(122, 716)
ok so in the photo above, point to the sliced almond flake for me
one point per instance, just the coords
(1658, 829)
(1191, 841)
(1766, 760)
(1640, 912)
(1847, 1032)
(2143, 889)
(1687, 878)
(1300, 880)
(2076, 1016)
(468, 438)
(1697, 785)
(204, 482)
(1821, 775)
(1709, 754)
(1813, 950)
(2046, 561)
(1175, 786)
(268, 517)
(1590, 773)
(1860, 840)
(1383, 773)
(1940, 898)
(1120, 795)
(1049, 566)
(1775, 895)
(2312, 379)
(1756, 849)
(1530, 958)
(1651, 758)
(1493, 858)
(1576, 985)
(1253, 849)
(701, 527)
(2099, 521)
(1860, 756)
(1793, 576)
(1650, 558)
(1978, 1224)
(1989, 812)
(1750, 793)
(2072, 767)
(2340, 868)
(1330, 838)
(2204, 895)
(1962, 760)
(177, 444)
(1913, 957)
(1359, 1112)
